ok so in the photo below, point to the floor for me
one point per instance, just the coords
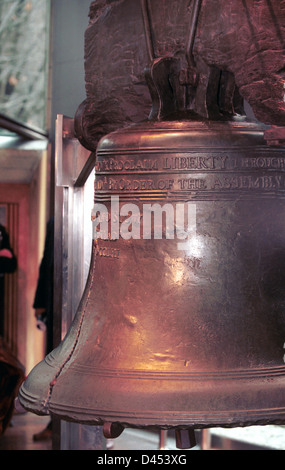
(19, 435)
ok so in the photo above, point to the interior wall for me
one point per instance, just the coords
(38, 215)
(69, 20)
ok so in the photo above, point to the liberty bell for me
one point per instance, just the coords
(181, 325)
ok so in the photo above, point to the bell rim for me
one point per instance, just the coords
(270, 412)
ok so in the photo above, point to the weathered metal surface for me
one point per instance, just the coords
(180, 336)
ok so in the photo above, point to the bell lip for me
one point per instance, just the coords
(31, 402)
(165, 420)
(239, 414)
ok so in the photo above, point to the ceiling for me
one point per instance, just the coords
(19, 158)
(21, 149)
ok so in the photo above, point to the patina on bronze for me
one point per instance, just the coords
(172, 337)
(170, 333)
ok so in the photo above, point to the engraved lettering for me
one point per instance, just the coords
(264, 162)
(229, 181)
(99, 185)
(166, 165)
(126, 165)
(266, 183)
(254, 183)
(223, 161)
(107, 252)
(188, 163)
(217, 184)
(192, 184)
(136, 185)
(278, 181)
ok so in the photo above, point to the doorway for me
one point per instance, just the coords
(24, 206)
(9, 218)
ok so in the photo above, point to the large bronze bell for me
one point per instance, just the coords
(176, 332)
(182, 323)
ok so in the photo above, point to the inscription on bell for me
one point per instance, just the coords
(264, 162)
(250, 182)
(194, 162)
(188, 161)
(151, 172)
(218, 182)
(107, 252)
(123, 184)
(110, 164)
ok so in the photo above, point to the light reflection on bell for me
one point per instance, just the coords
(174, 333)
